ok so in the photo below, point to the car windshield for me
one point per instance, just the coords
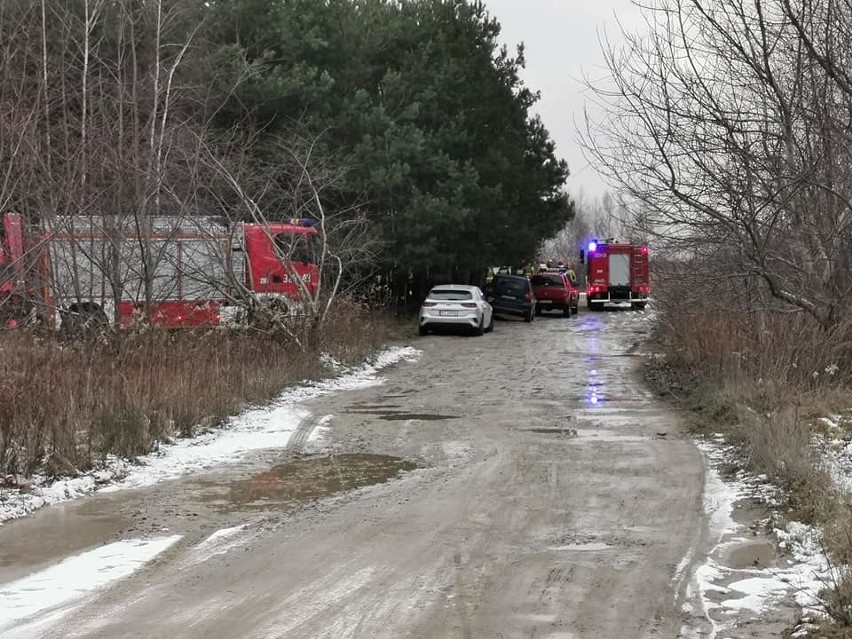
(298, 247)
(511, 285)
(449, 295)
(547, 280)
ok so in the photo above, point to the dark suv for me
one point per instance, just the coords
(512, 295)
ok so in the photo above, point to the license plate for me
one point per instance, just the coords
(508, 297)
(545, 301)
(448, 313)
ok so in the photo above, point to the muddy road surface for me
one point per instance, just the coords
(519, 484)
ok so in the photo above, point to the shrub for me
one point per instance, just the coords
(67, 404)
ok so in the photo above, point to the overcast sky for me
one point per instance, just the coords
(562, 43)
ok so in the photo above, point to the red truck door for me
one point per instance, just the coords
(639, 269)
(267, 249)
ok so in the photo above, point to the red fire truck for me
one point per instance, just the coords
(616, 272)
(183, 271)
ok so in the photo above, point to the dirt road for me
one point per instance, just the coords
(520, 484)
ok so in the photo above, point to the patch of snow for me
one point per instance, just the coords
(321, 430)
(717, 592)
(258, 429)
(266, 427)
(27, 603)
(832, 421)
(218, 543)
(719, 496)
(804, 543)
(835, 458)
(756, 593)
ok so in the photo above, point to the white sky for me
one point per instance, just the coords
(562, 44)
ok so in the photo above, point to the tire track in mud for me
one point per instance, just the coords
(303, 433)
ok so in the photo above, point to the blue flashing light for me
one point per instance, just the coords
(593, 246)
(306, 222)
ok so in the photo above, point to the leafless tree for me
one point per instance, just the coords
(598, 217)
(112, 139)
(301, 184)
(727, 129)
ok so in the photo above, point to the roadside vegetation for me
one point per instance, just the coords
(68, 404)
(764, 379)
(726, 129)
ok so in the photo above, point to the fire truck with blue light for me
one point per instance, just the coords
(616, 272)
(178, 272)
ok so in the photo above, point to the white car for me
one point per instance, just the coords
(456, 306)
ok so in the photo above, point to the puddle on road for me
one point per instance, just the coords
(588, 546)
(587, 354)
(750, 554)
(304, 480)
(397, 416)
(423, 417)
(56, 532)
(367, 408)
(599, 435)
(562, 432)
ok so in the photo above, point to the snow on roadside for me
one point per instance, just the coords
(29, 604)
(717, 594)
(41, 491)
(834, 447)
(261, 428)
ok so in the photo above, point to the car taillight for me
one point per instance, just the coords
(528, 297)
(468, 304)
(427, 304)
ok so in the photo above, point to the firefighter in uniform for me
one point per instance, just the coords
(569, 271)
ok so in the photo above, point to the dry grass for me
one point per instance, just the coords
(68, 404)
(762, 377)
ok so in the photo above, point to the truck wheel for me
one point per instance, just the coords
(566, 312)
(423, 330)
(576, 308)
(638, 306)
(529, 317)
(85, 319)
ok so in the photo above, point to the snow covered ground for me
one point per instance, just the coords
(721, 591)
(834, 445)
(30, 604)
(266, 427)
